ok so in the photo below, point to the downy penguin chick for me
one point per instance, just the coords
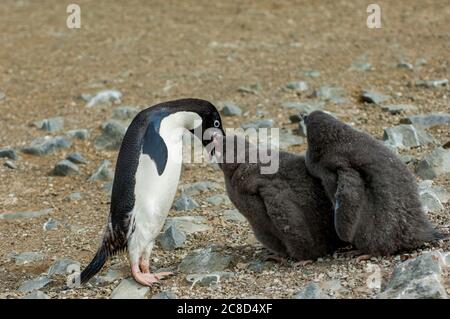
(288, 210)
(145, 181)
(375, 197)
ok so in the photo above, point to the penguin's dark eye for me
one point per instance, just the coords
(216, 123)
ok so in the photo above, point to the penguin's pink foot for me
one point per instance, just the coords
(362, 258)
(144, 266)
(146, 278)
(303, 263)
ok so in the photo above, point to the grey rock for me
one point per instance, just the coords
(105, 97)
(172, 238)
(260, 266)
(418, 278)
(210, 279)
(165, 295)
(76, 158)
(234, 215)
(129, 289)
(199, 187)
(61, 266)
(446, 145)
(73, 197)
(10, 165)
(374, 97)
(361, 66)
(124, 113)
(298, 86)
(407, 136)
(81, 134)
(304, 108)
(53, 124)
(8, 153)
(185, 202)
(34, 284)
(421, 62)
(334, 94)
(427, 120)
(407, 159)
(27, 257)
(111, 276)
(218, 199)
(405, 65)
(2, 95)
(187, 224)
(432, 83)
(65, 168)
(254, 88)
(311, 291)
(111, 136)
(50, 224)
(398, 108)
(434, 164)
(268, 123)
(205, 260)
(430, 202)
(36, 294)
(47, 145)
(312, 74)
(27, 214)
(231, 109)
(102, 173)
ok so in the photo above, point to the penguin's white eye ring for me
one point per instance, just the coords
(216, 123)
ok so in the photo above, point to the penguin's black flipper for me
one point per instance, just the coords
(154, 146)
(348, 200)
(95, 265)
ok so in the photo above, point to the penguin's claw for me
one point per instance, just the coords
(148, 279)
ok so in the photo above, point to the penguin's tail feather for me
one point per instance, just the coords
(95, 265)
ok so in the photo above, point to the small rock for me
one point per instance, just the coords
(2, 95)
(76, 158)
(187, 224)
(234, 215)
(73, 197)
(311, 291)
(218, 199)
(60, 267)
(105, 97)
(312, 74)
(431, 83)
(303, 107)
(251, 88)
(260, 266)
(36, 294)
(65, 168)
(430, 202)
(124, 113)
(421, 62)
(47, 145)
(334, 94)
(361, 66)
(398, 108)
(210, 279)
(374, 97)
(434, 164)
(50, 224)
(185, 202)
(102, 173)
(53, 124)
(165, 295)
(298, 86)
(258, 124)
(205, 260)
(27, 257)
(129, 289)
(29, 214)
(405, 65)
(111, 276)
(418, 278)
(407, 136)
(81, 134)
(10, 165)
(427, 120)
(199, 187)
(111, 137)
(231, 109)
(8, 153)
(34, 284)
(172, 238)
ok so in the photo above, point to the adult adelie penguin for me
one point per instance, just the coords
(375, 197)
(145, 182)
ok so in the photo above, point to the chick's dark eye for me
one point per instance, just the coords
(216, 123)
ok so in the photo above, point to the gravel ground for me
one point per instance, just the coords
(162, 50)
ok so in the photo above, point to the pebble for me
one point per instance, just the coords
(10, 165)
(187, 224)
(53, 124)
(407, 136)
(405, 65)
(27, 214)
(124, 113)
(210, 279)
(427, 120)
(199, 187)
(47, 145)
(185, 203)
(65, 168)
(102, 173)
(258, 124)
(299, 86)
(204, 260)
(434, 164)
(302, 107)
(374, 97)
(165, 295)
(81, 134)
(60, 267)
(105, 97)
(27, 257)
(432, 83)
(218, 199)
(398, 108)
(312, 74)
(231, 109)
(234, 215)
(34, 284)
(334, 94)
(50, 224)
(76, 158)
(36, 294)
(172, 238)
(8, 153)
(73, 197)
(251, 88)
(311, 291)
(129, 289)
(111, 136)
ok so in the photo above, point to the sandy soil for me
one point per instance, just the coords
(154, 51)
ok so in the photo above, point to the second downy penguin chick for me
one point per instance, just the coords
(288, 210)
(375, 197)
